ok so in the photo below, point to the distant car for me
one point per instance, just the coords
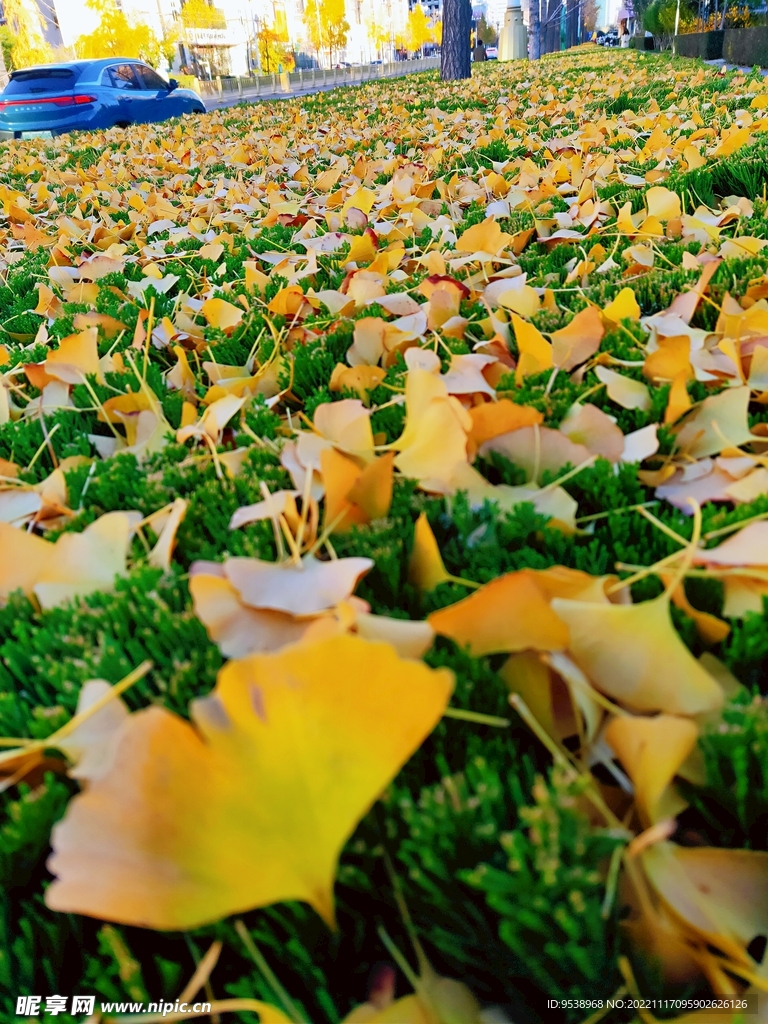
(491, 53)
(87, 95)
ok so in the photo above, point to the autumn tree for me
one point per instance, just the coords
(456, 54)
(378, 33)
(589, 15)
(118, 36)
(418, 30)
(487, 34)
(25, 44)
(274, 52)
(326, 25)
(201, 14)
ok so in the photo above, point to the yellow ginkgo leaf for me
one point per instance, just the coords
(222, 314)
(672, 357)
(623, 307)
(160, 555)
(651, 751)
(434, 440)
(485, 237)
(253, 803)
(662, 203)
(181, 376)
(372, 491)
(362, 379)
(693, 158)
(437, 1000)
(213, 420)
(578, 340)
(80, 563)
(508, 614)
(347, 424)
(741, 247)
(679, 401)
(410, 638)
(633, 653)
(268, 1014)
(535, 350)
(362, 249)
(340, 473)
(90, 745)
(425, 567)
(537, 450)
(738, 138)
(76, 357)
(23, 557)
(719, 422)
(408, 1010)
(721, 895)
(524, 301)
(625, 225)
(363, 199)
(278, 503)
(624, 391)
(589, 426)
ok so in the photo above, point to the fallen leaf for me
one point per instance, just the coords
(651, 751)
(306, 588)
(634, 655)
(624, 391)
(508, 614)
(188, 825)
(719, 422)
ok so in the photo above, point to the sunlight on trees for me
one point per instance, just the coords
(275, 53)
(326, 25)
(118, 36)
(378, 34)
(23, 42)
(200, 14)
(418, 30)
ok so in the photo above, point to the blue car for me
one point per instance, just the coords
(87, 95)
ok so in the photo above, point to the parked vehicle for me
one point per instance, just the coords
(89, 94)
(491, 53)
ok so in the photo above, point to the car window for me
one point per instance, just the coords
(122, 77)
(41, 80)
(149, 78)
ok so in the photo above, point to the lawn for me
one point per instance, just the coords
(398, 455)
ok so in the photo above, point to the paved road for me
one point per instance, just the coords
(732, 67)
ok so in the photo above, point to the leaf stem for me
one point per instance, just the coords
(475, 716)
(267, 973)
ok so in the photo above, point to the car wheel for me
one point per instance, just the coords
(122, 124)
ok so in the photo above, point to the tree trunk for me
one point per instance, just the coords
(456, 55)
(553, 26)
(571, 23)
(535, 31)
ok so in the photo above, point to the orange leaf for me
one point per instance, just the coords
(508, 614)
(493, 418)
